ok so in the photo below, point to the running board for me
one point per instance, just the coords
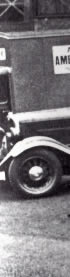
(65, 178)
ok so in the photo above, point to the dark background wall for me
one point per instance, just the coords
(49, 7)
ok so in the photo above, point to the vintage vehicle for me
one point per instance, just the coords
(35, 164)
(35, 114)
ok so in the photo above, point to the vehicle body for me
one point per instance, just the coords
(34, 127)
(34, 163)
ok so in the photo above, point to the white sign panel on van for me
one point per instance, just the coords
(2, 54)
(61, 59)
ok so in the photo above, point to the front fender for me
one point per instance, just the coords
(37, 141)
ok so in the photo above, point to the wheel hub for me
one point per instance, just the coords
(36, 173)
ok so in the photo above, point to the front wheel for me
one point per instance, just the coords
(35, 172)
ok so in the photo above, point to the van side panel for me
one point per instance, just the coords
(28, 75)
(36, 86)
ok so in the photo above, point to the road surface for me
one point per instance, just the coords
(34, 235)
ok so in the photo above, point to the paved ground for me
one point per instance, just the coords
(34, 235)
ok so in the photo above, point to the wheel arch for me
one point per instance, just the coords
(37, 141)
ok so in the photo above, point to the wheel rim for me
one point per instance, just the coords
(36, 175)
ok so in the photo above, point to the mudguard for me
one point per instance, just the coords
(36, 141)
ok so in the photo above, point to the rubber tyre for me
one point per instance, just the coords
(42, 160)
